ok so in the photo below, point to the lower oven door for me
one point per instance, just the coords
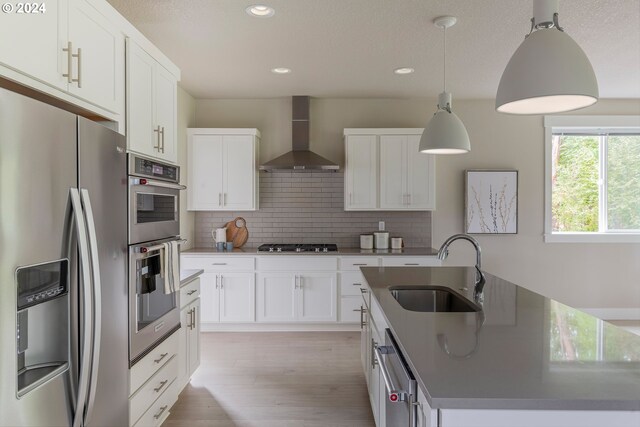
(400, 385)
(154, 313)
(154, 209)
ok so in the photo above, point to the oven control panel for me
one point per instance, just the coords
(141, 166)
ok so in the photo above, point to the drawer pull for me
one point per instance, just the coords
(360, 263)
(357, 284)
(162, 384)
(192, 292)
(219, 263)
(411, 263)
(364, 291)
(162, 356)
(159, 414)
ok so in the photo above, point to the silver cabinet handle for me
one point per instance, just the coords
(192, 292)
(357, 284)
(299, 282)
(217, 280)
(350, 198)
(411, 263)
(162, 384)
(79, 56)
(70, 56)
(224, 199)
(68, 49)
(363, 291)
(162, 137)
(362, 313)
(159, 414)
(374, 345)
(193, 323)
(360, 263)
(219, 263)
(156, 130)
(219, 199)
(221, 281)
(162, 356)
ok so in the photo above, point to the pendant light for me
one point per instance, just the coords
(445, 133)
(549, 72)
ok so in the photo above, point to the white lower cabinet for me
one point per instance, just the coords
(289, 297)
(236, 297)
(189, 339)
(152, 384)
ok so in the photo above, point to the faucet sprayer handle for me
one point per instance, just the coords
(479, 286)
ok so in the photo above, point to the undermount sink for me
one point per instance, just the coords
(435, 299)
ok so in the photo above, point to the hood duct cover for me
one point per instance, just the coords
(300, 157)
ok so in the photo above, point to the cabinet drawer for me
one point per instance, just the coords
(149, 365)
(189, 293)
(350, 283)
(225, 263)
(158, 412)
(297, 263)
(402, 261)
(350, 309)
(153, 389)
(354, 263)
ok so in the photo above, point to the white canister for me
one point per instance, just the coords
(396, 243)
(381, 239)
(366, 241)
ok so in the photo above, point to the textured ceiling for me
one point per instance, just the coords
(349, 48)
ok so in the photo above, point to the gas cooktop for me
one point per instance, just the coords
(292, 247)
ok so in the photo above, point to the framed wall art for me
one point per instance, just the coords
(491, 201)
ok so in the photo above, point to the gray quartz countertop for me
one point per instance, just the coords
(340, 252)
(187, 276)
(529, 352)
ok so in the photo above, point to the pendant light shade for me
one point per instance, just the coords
(445, 133)
(549, 72)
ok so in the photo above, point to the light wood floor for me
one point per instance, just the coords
(283, 379)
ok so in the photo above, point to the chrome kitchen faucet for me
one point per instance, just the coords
(443, 253)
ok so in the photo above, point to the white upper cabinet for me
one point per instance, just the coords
(361, 173)
(71, 46)
(36, 42)
(97, 57)
(223, 169)
(151, 106)
(385, 171)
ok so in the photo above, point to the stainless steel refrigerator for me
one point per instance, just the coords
(63, 268)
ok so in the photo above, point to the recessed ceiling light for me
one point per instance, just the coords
(281, 70)
(404, 70)
(260, 11)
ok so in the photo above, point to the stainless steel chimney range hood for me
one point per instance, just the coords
(300, 157)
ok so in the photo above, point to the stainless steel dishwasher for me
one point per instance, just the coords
(400, 384)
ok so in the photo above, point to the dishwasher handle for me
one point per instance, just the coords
(393, 394)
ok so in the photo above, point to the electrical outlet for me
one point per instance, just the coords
(381, 225)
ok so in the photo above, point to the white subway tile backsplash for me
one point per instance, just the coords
(307, 207)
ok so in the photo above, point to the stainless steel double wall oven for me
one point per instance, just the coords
(154, 219)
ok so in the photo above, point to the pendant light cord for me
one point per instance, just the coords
(444, 58)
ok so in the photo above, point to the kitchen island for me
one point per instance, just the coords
(523, 360)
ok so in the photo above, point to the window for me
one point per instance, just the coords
(592, 183)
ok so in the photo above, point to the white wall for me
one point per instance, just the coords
(581, 275)
(186, 119)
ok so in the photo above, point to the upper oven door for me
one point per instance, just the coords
(154, 209)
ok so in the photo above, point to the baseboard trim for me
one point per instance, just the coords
(279, 327)
(613, 313)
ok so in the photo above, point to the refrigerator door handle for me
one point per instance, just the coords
(97, 300)
(85, 355)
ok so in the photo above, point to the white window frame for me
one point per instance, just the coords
(596, 124)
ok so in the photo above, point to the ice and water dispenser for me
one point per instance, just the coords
(42, 327)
